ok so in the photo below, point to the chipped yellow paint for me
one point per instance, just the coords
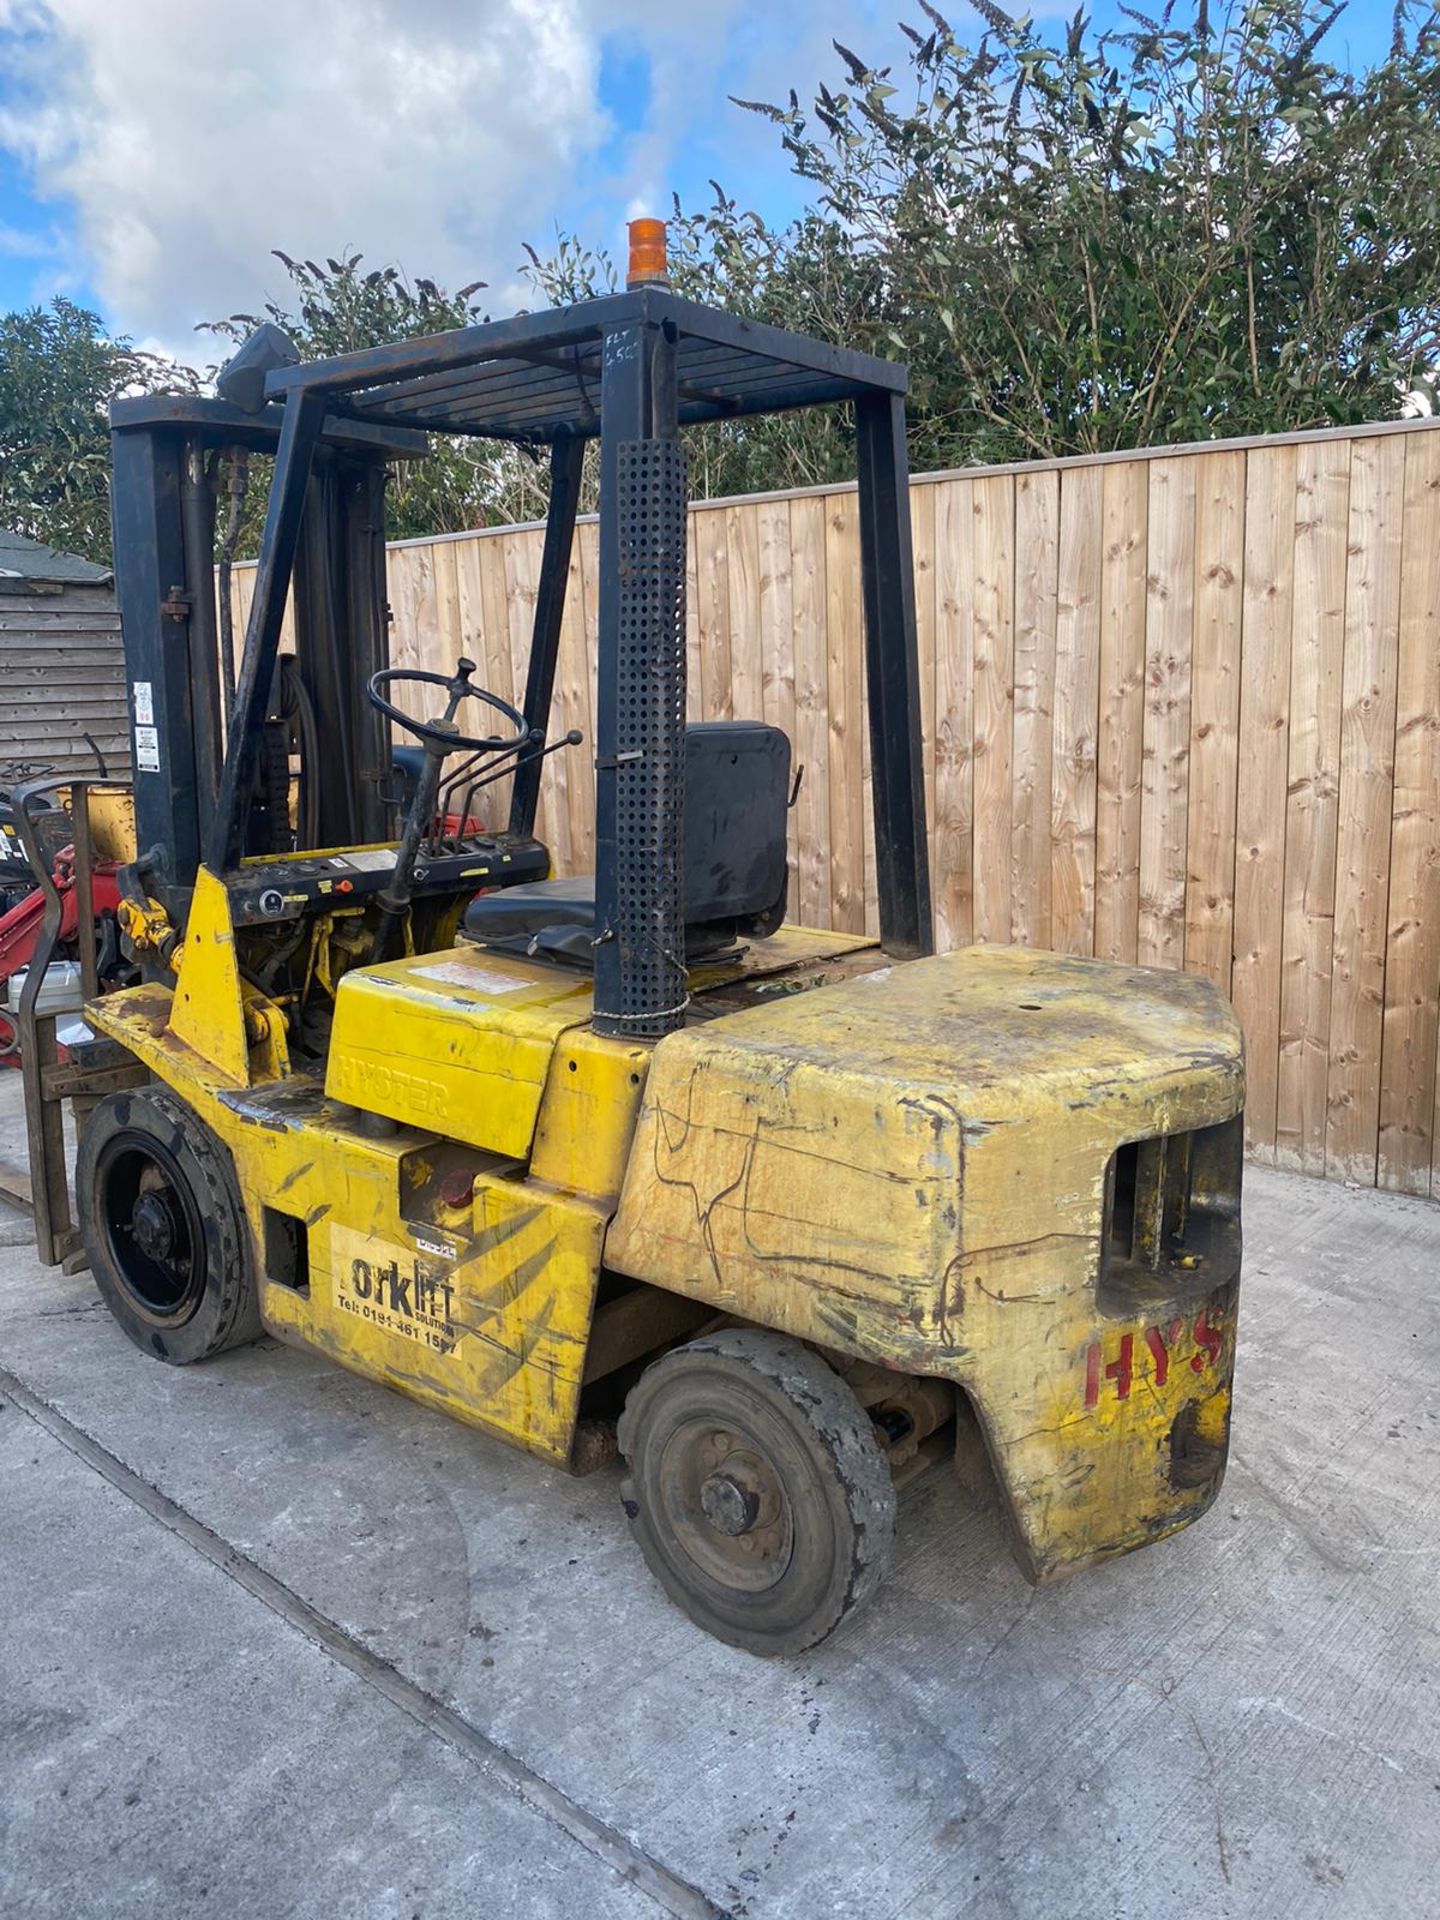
(209, 1014)
(1212, 1418)
(911, 1166)
(148, 928)
(487, 1320)
(481, 1309)
(587, 1120)
(111, 815)
(459, 1041)
(908, 1165)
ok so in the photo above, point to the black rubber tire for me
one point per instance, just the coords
(221, 1304)
(794, 1414)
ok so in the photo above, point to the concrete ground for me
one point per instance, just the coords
(280, 1643)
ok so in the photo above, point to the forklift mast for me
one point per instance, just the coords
(168, 457)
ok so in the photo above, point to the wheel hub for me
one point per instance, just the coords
(154, 1225)
(730, 1507)
(727, 1505)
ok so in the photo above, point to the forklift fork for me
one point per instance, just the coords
(105, 1067)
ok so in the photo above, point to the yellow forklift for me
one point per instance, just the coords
(625, 1160)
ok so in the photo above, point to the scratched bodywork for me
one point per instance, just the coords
(457, 1265)
(444, 1273)
(914, 1166)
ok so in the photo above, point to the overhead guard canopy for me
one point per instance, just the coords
(537, 377)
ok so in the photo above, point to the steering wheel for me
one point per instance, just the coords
(441, 734)
(439, 738)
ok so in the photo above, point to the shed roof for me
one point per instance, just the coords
(23, 561)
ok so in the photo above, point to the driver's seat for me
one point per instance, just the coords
(737, 790)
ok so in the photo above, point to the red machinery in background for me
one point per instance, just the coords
(40, 877)
(20, 931)
(39, 870)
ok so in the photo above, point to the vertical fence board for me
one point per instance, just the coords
(447, 603)
(412, 606)
(473, 639)
(922, 541)
(470, 607)
(1322, 533)
(1037, 537)
(521, 572)
(712, 561)
(694, 691)
(1412, 961)
(1076, 712)
(500, 659)
(777, 648)
(742, 544)
(993, 632)
(844, 673)
(1263, 779)
(565, 771)
(414, 628)
(812, 700)
(1367, 757)
(954, 638)
(1165, 754)
(1124, 550)
(1214, 716)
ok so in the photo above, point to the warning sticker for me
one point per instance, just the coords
(460, 973)
(147, 749)
(376, 860)
(144, 704)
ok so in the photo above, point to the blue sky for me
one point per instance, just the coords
(152, 151)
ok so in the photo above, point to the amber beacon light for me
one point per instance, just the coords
(648, 266)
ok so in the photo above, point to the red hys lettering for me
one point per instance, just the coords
(1159, 1353)
(1207, 1342)
(1161, 1344)
(1121, 1370)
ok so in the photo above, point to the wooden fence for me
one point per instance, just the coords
(1181, 707)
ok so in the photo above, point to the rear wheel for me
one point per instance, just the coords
(758, 1491)
(164, 1227)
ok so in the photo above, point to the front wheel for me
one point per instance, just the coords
(758, 1491)
(164, 1228)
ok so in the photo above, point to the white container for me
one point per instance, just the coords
(61, 992)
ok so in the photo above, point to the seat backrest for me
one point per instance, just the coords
(737, 792)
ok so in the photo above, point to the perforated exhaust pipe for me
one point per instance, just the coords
(649, 985)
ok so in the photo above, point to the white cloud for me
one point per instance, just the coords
(24, 243)
(192, 137)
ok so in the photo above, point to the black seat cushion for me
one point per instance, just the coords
(543, 903)
(737, 779)
(553, 918)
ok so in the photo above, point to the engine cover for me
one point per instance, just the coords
(932, 1165)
